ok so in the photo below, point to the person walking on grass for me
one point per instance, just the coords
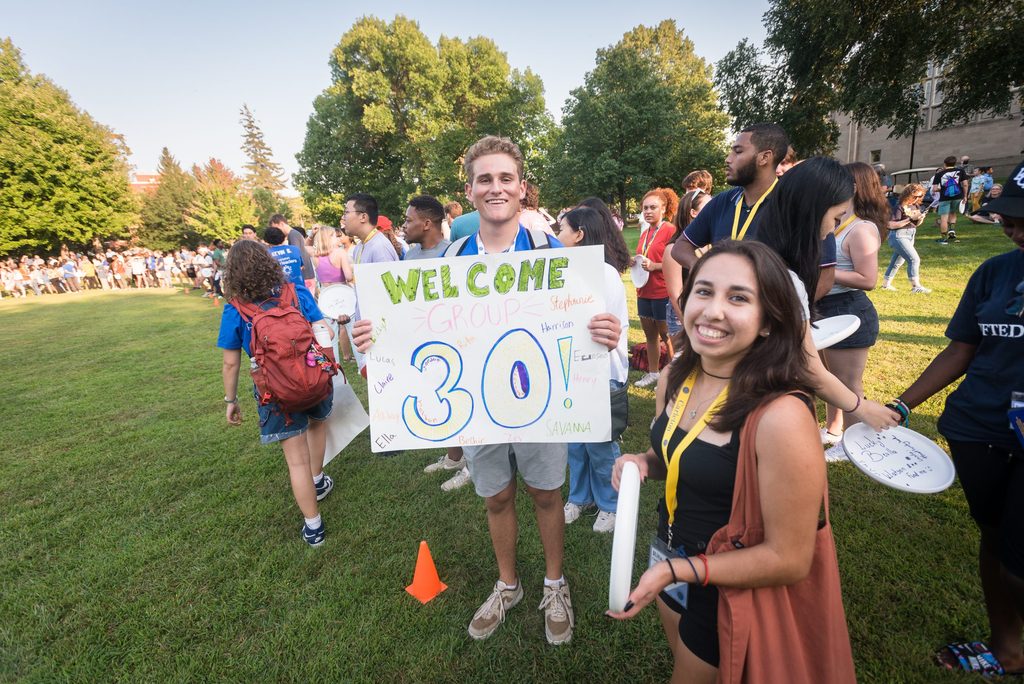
(255, 277)
(950, 184)
(906, 218)
(985, 344)
(496, 187)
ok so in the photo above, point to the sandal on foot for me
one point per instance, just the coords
(969, 656)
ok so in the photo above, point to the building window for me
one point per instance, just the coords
(937, 100)
(876, 156)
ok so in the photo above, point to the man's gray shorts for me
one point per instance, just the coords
(492, 466)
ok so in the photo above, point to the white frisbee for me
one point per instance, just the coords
(829, 331)
(624, 541)
(899, 458)
(337, 300)
(638, 274)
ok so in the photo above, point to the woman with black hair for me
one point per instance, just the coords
(590, 464)
(810, 202)
(740, 358)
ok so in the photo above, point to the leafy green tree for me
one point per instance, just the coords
(869, 59)
(63, 176)
(219, 206)
(645, 116)
(261, 171)
(268, 204)
(400, 113)
(163, 224)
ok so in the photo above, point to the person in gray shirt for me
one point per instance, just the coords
(422, 227)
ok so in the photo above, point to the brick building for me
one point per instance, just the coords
(988, 140)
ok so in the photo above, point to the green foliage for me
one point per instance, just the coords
(645, 116)
(163, 223)
(869, 59)
(261, 171)
(219, 206)
(400, 113)
(63, 176)
(754, 90)
(268, 204)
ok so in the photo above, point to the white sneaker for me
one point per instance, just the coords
(836, 453)
(605, 522)
(917, 289)
(491, 614)
(573, 511)
(444, 463)
(558, 615)
(461, 479)
(647, 380)
(887, 286)
(830, 437)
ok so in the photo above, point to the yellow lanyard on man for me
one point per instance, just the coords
(672, 463)
(369, 236)
(845, 224)
(737, 232)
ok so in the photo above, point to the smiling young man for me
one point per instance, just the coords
(496, 187)
(751, 168)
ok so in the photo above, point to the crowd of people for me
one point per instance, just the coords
(734, 283)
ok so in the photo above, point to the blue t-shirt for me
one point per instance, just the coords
(290, 259)
(464, 225)
(714, 223)
(976, 410)
(235, 333)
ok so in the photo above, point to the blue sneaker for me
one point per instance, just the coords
(324, 488)
(313, 537)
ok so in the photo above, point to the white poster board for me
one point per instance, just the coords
(348, 418)
(488, 349)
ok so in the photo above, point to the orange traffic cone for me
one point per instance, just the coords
(425, 582)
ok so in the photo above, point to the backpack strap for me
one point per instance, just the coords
(456, 248)
(538, 239)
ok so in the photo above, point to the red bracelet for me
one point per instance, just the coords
(707, 572)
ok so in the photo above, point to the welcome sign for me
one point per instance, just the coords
(487, 349)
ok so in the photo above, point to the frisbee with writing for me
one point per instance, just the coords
(624, 541)
(899, 458)
(337, 300)
(829, 331)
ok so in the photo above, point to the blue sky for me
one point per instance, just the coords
(176, 73)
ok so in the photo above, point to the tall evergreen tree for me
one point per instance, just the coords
(163, 213)
(63, 176)
(261, 171)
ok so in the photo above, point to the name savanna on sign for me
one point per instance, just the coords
(486, 349)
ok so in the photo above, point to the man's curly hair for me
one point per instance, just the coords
(251, 274)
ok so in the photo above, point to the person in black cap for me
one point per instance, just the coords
(986, 347)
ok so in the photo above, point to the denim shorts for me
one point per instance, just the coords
(851, 302)
(273, 419)
(652, 308)
(949, 207)
(493, 466)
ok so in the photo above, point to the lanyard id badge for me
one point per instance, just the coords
(660, 552)
(1016, 415)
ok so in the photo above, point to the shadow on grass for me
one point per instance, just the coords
(926, 340)
(921, 320)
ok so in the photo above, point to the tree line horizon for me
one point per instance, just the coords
(400, 111)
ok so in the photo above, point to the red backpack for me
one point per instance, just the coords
(291, 370)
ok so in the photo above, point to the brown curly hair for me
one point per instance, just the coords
(250, 273)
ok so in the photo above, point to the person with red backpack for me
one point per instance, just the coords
(292, 374)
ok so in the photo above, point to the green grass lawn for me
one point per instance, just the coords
(141, 539)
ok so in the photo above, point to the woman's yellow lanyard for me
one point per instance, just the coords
(369, 237)
(651, 238)
(845, 224)
(672, 478)
(737, 232)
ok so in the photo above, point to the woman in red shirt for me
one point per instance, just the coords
(652, 298)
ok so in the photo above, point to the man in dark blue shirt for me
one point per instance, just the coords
(750, 166)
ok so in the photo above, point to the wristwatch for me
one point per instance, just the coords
(230, 401)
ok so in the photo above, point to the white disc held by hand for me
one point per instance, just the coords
(638, 274)
(624, 541)
(899, 458)
(337, 300)
(829, 331)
